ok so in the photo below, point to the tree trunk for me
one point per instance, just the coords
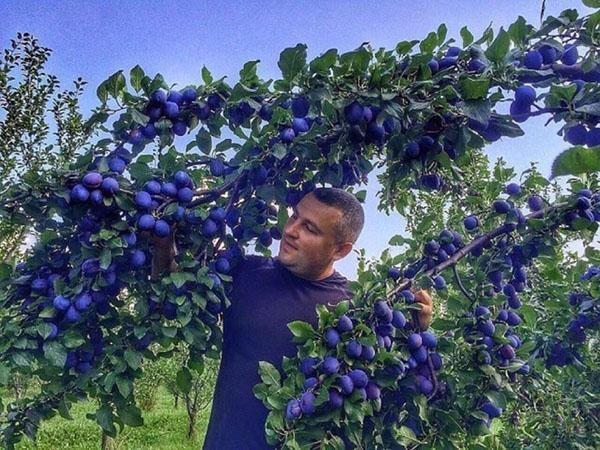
(176, 400)
(105, 441)
(190, 406)
(191, 427)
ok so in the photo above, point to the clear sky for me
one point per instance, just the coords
(94, 39)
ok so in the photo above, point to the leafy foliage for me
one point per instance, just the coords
(82, 311)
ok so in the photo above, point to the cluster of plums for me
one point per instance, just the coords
(354, 379)
(587, 318)
(507, 278)
(435, 252)
(178, 108)
(301, 123)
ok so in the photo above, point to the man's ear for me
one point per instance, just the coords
(342, 250)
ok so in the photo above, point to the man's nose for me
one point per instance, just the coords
(290, 230)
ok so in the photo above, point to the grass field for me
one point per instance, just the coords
(165, 427)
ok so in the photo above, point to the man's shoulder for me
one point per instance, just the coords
(253, 262)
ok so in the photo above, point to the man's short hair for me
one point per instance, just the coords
(353, 216)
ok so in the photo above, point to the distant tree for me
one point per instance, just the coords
(41, 128)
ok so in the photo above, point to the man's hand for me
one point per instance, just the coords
(163, 253)
(425, 313)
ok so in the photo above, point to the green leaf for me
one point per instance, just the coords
(354, 411)
(518, 31)
(467, 36)
(474, 88)
(44, 329)
(47, 235)
(592, 108)
(136, 75)
(157, 83)
(102, 94)
(342, 307)
(73, 339)
(134, 359)
(528, 313)
(404, 435)
(356, 61)
(55, 353)
(115, 84)
(248, 72)
(180, 278)
(105, 258)
(404, 47)
(23, 359)
(576, 161)
(104, 418)
(592, 3)
(206, 76)
(130, 415)
(279, 151)
(321, 64)
(269, 374)
(508, 128)
(184, 380)
(204, 141)
(125, 386)
(479, 110)
(63, 409)
(302, 331)
(5, 271)
(421, 402)
(498, 49)
(479, 415)
(4, 375)
(140, 172)
(292, 61)
(442, 31)
(48, 312)
(428, 44)
(138, 117)
(169, 331)
(443, 324)
(456, 305)
(497, 398)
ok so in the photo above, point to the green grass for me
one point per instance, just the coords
(165, 427)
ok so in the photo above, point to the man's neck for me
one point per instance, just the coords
(310, 277)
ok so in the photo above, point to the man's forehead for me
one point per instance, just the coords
(319, 213)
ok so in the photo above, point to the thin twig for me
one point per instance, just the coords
(460, 285)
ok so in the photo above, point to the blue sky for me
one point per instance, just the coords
(93, 39)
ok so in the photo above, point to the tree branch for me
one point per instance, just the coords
(405, 283)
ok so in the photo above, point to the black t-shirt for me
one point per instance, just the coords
(265, 297)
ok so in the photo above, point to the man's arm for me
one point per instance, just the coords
(163, 255)
(426, 311)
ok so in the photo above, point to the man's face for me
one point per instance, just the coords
(308, 247)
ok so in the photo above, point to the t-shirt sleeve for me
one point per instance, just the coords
(240, 270)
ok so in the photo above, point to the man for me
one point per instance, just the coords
(267, 294)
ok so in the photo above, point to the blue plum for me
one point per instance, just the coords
(61, 303)
(146, 222)
(533, 60)
(332, 338)
(331, 365)
(576, 134)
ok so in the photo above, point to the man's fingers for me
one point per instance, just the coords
(426, 311)
(422, 296)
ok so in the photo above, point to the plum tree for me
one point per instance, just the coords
(370, 371)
